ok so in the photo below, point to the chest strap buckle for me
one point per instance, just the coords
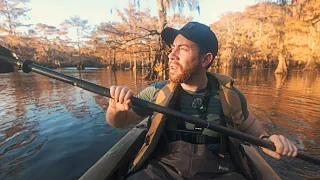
(194, 138)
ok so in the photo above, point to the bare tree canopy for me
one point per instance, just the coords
(282, 34)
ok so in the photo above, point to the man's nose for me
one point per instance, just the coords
(173, 54)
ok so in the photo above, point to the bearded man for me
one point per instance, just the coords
(184, 150)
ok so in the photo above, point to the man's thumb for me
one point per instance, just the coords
(273, 154)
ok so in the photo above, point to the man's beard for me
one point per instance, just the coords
(181, 75)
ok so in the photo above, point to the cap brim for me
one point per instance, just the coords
(169, 34)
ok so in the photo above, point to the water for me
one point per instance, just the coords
(51, 130)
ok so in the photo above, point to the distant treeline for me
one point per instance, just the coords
(283, 34)
(266, 33)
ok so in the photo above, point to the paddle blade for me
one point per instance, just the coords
(6, 67)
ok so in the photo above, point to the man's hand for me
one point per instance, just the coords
(284, 147)
(121, 98)
(119, 113)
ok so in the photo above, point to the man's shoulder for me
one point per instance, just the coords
(158, 85)
(150, 92)
(223, 80)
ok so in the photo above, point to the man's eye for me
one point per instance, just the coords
(184, 49)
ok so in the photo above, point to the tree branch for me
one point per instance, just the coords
(150, 31)
(128, 40)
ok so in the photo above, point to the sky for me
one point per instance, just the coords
(54, 12)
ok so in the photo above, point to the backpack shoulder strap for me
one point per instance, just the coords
(230, 100)
(224, 80)
(156, 127)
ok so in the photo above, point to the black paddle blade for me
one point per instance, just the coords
(6, 52)
(6, 67)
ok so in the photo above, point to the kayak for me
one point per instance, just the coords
(115, 161)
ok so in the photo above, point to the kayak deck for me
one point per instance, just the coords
(119, 154)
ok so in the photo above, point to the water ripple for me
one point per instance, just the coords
(60, 130)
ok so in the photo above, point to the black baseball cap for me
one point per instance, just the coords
(196, 32)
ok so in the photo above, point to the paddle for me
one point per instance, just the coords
(28, 66)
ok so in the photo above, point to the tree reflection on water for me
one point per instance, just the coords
(60, 130)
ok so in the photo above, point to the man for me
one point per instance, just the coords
(188, 151)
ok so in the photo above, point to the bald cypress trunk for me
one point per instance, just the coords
(160, 57)
(114, 65)
(282, 66)
(311, 65)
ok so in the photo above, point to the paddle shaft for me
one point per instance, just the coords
(28, 66)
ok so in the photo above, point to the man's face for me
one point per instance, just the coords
(183, 60)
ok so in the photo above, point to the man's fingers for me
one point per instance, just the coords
(112, 91)
(128, 102)
(277, 143)
(271, 153)
(120, 97)
(295, 151)
(117, 94)
(123, 93)
(128, 105)
(112, 101)
(129, 94)
(285, 144)
(290, 147)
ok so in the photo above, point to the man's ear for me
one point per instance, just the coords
(207, 59)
